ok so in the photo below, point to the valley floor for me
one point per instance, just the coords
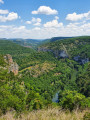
(49, 114)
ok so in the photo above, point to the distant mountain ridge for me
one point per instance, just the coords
(33, 43)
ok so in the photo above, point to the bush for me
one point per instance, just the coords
(34, 101)
(71, 100)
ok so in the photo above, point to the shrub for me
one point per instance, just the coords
(71, 100)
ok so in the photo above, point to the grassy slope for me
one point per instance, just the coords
(48, 114)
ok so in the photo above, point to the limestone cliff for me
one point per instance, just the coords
(57, 53)
(12, 66)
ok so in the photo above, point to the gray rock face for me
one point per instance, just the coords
(81, 60)
(60, 54)
(13, 66)
(57, 53)
(76, 58)
(63, 54)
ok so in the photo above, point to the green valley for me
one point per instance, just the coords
(61, 66)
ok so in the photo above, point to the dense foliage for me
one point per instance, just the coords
(72, 99)
(74, 46)
(41, 75)
(83, 80)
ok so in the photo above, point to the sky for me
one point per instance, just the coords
(42, 19)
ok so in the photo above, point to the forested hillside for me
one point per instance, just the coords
(19, 53)
(29, 43)
(53, 39)
(56, 68)
(74, 48)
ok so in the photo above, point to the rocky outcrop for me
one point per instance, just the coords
(81, 60)
(13, 66)
(8, 59)
(60, 54)
(63, 54)
(57, 53)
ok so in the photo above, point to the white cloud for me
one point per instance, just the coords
(75, 17)
(72, 29)
(56, 17)
(4, 11)
(39, 20)
(18, 29)
(36, 28)
(45, 10)
(53, 23)
(11, 16)
(1, 1)
(28, 22)
(85, 26)
(34, 21)
(37, 24)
